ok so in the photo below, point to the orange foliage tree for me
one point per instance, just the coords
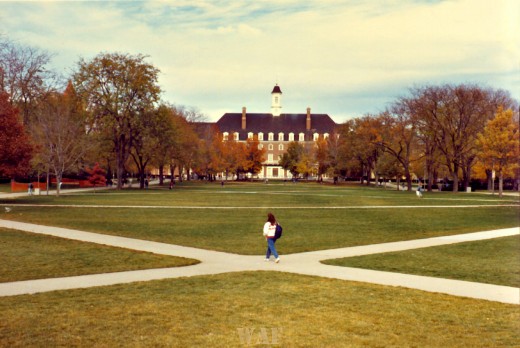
(499, 144)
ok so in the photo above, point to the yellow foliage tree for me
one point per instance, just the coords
(499, 144)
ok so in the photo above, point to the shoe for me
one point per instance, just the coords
(266, 260)
(277, 260)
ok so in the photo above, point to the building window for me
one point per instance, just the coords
(280, 136)
(235, 136)
(260, 136)
(225, 136)
(270, 147)
(301, 137)
(291, 136)
(280, 147)
(315, 136)
(270, 157)
(275, 172)
(250, 135)
(260, 146)
(270, 136)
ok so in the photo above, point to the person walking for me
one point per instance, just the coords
(269, 234)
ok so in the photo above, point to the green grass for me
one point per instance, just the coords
(495, 261)
(208, 311)
(29, 256)
(304, 230)
(5, 188)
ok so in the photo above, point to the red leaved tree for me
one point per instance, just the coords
(15, 147)
(97, 176)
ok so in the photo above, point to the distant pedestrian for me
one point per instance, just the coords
(146, 184)
(30, 189)
(419, 193)
(269, 234)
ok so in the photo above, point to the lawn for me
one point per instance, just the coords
(495, 261)
(314, 217)
(5, 187)
(209, 311)
(215, 310)
(30, 256)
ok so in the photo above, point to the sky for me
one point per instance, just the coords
(346, 58)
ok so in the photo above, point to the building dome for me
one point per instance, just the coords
(276, 89)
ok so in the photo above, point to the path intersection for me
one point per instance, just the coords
(307, 263)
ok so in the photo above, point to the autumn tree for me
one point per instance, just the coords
(59, 130)
(499, 144)
(119, 91)
(254, 156)
(359, 143)
(322, 156)
(97, 176)
(15, 149)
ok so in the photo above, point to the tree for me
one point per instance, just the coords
(451, 116)
(97, 176)
(23, 75)
(398, 137)
(254, 156)
(322, 156)
(291, 159)
(16, 149)
(359, 146)
(119, 90)
(168, 124)
(59, 130)
(499, 144)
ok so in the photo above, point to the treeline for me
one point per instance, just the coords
(109, 111)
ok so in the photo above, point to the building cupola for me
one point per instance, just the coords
(276, 101)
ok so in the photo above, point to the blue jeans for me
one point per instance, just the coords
(271, 248)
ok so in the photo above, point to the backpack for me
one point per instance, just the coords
(278, 232)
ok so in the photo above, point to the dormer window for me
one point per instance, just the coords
(271, 136)
(260, 136)
(315, 136)
(291, 136)
(225, 136)
(235, 136)
(325, 135)
(250, 135)
(301, 137)
(280, 136)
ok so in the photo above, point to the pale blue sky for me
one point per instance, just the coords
(345, 58)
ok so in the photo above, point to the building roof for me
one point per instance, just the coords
(276, 89)
(267, 123)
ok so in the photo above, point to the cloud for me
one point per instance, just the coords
(339, 57)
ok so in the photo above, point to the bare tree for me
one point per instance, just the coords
(24, 76)
(60, 133)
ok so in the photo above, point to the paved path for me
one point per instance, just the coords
(308, 263)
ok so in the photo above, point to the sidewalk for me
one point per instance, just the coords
(308, 263)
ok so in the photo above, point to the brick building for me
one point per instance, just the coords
(275, 130)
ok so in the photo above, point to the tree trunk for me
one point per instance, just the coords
(161, 175)
(489, 177)
(500, 183)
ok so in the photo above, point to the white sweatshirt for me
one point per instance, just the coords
(269, 230)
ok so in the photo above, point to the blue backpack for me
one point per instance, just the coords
(278, 232)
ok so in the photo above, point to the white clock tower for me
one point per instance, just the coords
(276, 103)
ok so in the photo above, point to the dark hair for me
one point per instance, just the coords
(271, 218)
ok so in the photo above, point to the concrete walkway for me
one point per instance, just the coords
(215, 262)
